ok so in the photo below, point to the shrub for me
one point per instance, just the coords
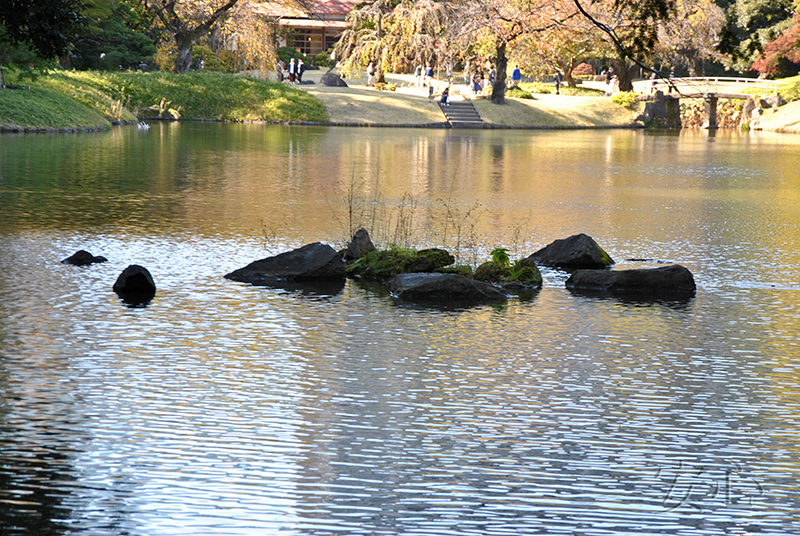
(790, 91)
(627, 99)
(584, 69)
(285, 54)
(518, 93)
(383, 86)
(323, 59)
(222, 62)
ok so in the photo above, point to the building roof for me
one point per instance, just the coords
(318, 9)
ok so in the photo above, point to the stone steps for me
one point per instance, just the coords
(462, 114)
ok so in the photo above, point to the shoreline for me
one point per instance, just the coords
(409, 106)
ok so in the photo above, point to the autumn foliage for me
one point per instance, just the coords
(787, 47)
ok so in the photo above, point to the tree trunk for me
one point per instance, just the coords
(183, 62)
(499, 87)
(625, 73)
(566, 69)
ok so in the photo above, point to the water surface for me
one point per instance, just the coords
(222, 408)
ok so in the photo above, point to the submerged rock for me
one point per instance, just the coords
(83, 258)
(444, 290)
(576, 252)
(312, 262)
(667, 281)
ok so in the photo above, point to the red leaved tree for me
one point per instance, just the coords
(787, 46)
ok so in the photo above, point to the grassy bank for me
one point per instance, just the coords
(43, 109)
(124, 97)
(191, 96)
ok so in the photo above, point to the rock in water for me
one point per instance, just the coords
(135, 285)
(577, 251)
(360, 245)
(444, 290)
(667, 281)
(83, 258)
(312, 262)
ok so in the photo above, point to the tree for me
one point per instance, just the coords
(47, 26)
(114, 36)
(186, 21)
(393, 36)
(786, 47)
(751, 24)
(631, 26)
(500, 24)
(562, 47)
(691, 37)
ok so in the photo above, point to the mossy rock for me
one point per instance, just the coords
(460, 269)
(386, 264)
(525, 272)
(522, 272)
(491, 272)
(381, 264)
(431, 260)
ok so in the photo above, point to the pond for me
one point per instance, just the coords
(223, 408)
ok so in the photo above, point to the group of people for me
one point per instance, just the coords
(293, 72)
(612, 82)
(423, 75)
(476, 79)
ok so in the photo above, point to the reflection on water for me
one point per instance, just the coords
(224, 408)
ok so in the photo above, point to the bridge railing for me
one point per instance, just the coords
(709, 85)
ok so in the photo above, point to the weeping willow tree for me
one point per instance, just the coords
(393, 35)
(252, 35)
(244, 26)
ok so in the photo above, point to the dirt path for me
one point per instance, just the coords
(409, 105)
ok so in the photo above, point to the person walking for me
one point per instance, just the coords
(292, 71)
(559, 78)
(371, 74)
(301, 68)
(428, 74)
(279, 71)
(516, 77)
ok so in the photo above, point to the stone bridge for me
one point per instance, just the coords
(709, 89)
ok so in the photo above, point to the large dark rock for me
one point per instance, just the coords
(577, 251)
(360, 245)
(667, 281)
(135, 285)
(332, 79)
(83, 258)
(444, 290)
(312, 262)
